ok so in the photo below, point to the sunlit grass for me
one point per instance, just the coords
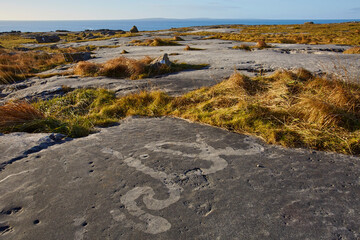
(123, 67)
(15, 66)
(335, 33)
(155, 42)
(188, 48)
(75, 37)
(10, 41)
(354, 50)
(289, 108)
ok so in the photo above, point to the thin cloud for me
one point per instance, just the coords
(211, 6)
(356, 10)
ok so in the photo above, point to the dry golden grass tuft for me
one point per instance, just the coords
(336, 33)
(86, 69)
(155, 42)
(243, 47)
(177, 38)
(117, 68)
(188, 48)
(261, 44)
(354, 50)
(329, 103)
(15, 113)
(123, 67)
(15, 66)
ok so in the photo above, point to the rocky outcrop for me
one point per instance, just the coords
(77, 57)
(162, 60)
(177, 38)
(47, 38)
(134, 29)
(16, 146)
(22, 49)
(54, 47)
(108, 33)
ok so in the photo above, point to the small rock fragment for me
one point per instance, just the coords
(161, 61)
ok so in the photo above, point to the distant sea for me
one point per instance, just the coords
(142, 24)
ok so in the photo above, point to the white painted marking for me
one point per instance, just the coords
(16, 174)
(155, 224)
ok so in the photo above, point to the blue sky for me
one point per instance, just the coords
(121, 9)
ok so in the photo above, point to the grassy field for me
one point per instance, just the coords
(19, 65)
(15, 66)
(77, 37)
(336, 33)
(11, 41)
(289, 108)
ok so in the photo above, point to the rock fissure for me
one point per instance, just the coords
(42, 143)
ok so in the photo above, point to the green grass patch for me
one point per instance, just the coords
(289, 108)
(10, 41)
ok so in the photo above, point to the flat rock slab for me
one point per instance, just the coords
(218, 54)
(15, 146)
(164, 178)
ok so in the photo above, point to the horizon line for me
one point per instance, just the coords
(139, 19)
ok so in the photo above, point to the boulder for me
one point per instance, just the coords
(162, 60)
(134, 29)
(54, 47)
(47, 38)
(102, 30)
(77, 57)
(177, 38)
(23, 49)
(110, 33)
(88, 36)
(261, 44)
(309, 23)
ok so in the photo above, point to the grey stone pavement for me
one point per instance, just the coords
(166, 178)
